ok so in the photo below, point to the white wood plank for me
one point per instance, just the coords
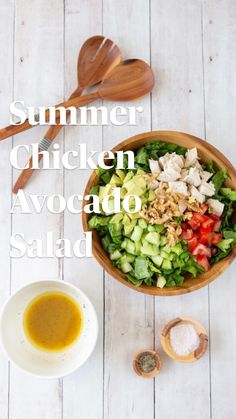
(128, 314)
(219, 35)
(39, 73)
(182, 391)
(83, 390)
(6, 91)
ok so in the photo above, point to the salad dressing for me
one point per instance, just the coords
(53, 321)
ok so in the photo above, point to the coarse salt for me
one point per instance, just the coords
(184, 339)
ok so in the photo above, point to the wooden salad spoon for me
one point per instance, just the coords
(128, 81)
(97, 57)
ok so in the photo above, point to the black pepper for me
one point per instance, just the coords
(146, 362)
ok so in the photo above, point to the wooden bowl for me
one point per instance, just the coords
(193, 356)
(152, 373)
(206, 153)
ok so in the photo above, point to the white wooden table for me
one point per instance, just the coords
(191, 47)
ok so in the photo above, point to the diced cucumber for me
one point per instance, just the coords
(151, 195)
(166, 264)
(123, 192)
(148, 249)
(157, 260)
(115, 255)
(128, 176)
(104, 191)
(141, 268)
(133, 188)
(127, 257)
(159, 228)
(117, 218)
(124, 244)
(161, 281)
(153, 237)
(163, 241)
(177, 248)
(138, 247)
(164, 254)
(134, 216)
(137, 234)
(151, 228)
(128, 225)
(140, 172)
(121, 174)
(142, 223)
(130, 247)
(126, 267)
(115, 180)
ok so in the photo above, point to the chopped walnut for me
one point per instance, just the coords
(165, 208)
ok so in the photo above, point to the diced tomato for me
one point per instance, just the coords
(216, 238)
(184, 226)
(215, 217)
(216, 226)
(194, 224)
(187, 234)
(208, 222)
(192, 244)
(201, 249)
(204, 230)
(200, 218)
(204, 208)
(205, 238)
(203, 262)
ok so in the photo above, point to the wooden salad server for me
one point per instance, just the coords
(128, 81)
(97, 57)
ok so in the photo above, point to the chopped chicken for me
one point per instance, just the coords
(164, 159)
(197, 165)
(182, 206)
(177, 160)
(207, 189)
(193, 177)
(216, 206)
(184, 173)
(154, 166)
(191, 157)
(179, 187)
(197, 195)
(153, 184)
(205, 175)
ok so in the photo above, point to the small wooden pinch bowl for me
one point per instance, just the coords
(152, 373)
(193, 356)
(206, 153)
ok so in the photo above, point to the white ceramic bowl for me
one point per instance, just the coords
(26, 356)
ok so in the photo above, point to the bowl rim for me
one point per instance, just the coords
(31, 283)
(168, 136)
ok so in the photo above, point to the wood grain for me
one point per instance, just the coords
(219, 32)
(206, 153)
(82, 22)
(6, 95)
(30, 397)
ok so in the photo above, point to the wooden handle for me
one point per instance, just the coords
(50, 135)
(77, 102)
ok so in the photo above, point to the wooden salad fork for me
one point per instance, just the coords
(97, 57)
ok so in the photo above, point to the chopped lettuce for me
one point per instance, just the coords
(228, 193)
(218, 179)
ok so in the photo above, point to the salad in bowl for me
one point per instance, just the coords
(185, 224)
